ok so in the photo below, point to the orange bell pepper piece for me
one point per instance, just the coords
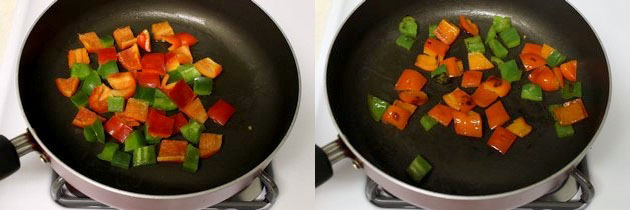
(546, 50)
(496, 115)
(90, 41)
(171, 61)
(530, 48)
(124, 37)
(545, 78)
(136, 109)
(532, 61)
(558, 73)
(569, 70)
(161, 29)
(79, 55)
(483, 97)
(172, 151)
(446, 32)
(472, 79)
(208, 67)
(443, 114)
(196, 111)
(98, 99)
(520, 127)
(85, 118)
(467, 124)
(130, 58)
(409, 107)
(501, 140)
(426, 62)
(497, 85)
(416, 97)
(209, 144)
(396, 116)
(454, 67)
(67, 87)
(434, 47)
(183, 55)
(570, 112)
(410, 80)
(468, 26)
(123, 83)
(478, 61)
(459, 100)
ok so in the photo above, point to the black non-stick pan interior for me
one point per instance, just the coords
(259, 79)
(364, 60)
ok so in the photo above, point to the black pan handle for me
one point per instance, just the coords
(11, 151)
(325, 157)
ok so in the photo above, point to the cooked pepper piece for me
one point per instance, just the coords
(410, 80)
(108, 152)
(136, 109)
(532, 92)
(570, 112)
(209, 67)
(471, 79)
(209, 144)
(530, 48)
(405, 41)
(81, 71)
(144, 40)
(557, 72)
(90, 41)
(123, 83)
(121, 159)
(145, 94)
(221, 112)
(426, 62)
(134, 141)
(408, 26)
(107, 41)
(79, 55)
(172, 151)
(474, 44)
(191, 159)
(98, 99)
(477, 61)
(571, 90)
(409, 107)
(501, 24)
(520, 127)
(510, 37)
(468, 26)
(162, 102)
(117, 128)
(107, 69)
(497, 48)
(569, 70)
(195, 111)
(161, 29)
(427, 122)
(148, 138)
(442, 114)
(555, 58)
(192, 131)
(396, 116)
(202, 86)
(186, 38)
(148, 79)
(467, 124)
(492, 35)
(459, 100)
(446, 32)
(115, 104)
(496, 115)
(80, 99)
(418, 168)
(174, 76)
(497, 85)
(510, 72)
(434, 47)
(376, 106)
(563, 130)
(484, 97)
(154, 63)
(172, 62)
(454, 67)
(180, 120)
(90, 83)
(497, 61)
(414, 97)
(85, 118)
(532, 61)
(188, 72)
(106, 54)
(124, 37)
(432, 28)
(181, 94)
(130, 58)
(89, 134)
(546, 50)
(67, 87)
(183, 55)
(501, 140)
(545, 78)
(159, 125)
(144, 156)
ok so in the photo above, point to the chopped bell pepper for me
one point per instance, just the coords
(183, 55)
(159, 125)
(441, 70)
(122, 80)
(171, 62)
(136, 109)
(162, 102)
(209, 67)
(192, 131)
(484, 97)
(188, 72)
(202, 86)
(153, 62)
(477, 61)
(492, 35)
(106, 55)
(501, 24)
(532, 92)
(172, 151)
(454, 67)
(520, 127)
(497, 61)
(569, 70)
(571, 90)
(117, 128)
(432, 28)
(443, 114)
(121, 159)
(209, 144)
(85, 118)
(144, 40)
(405, 41)
(67, 87)
(148, 79)
(459, 100)
(107, 41)
(570, 112)
(434, 47)
(409, 107)
(91, 81)
(414, 97)
(144, 156)
(221, 112)
(471, 79)
(557, 72)
(134, 141)
(124, 37)
(418, 168)
(474, 44)
(408, 26)
(99, 131)
(496, 115)
(98, 99)
(191, 160)
(187, 39)
(532, 61)
(115, 104)
(161, 29)
(108, 152)
(501, 140)
(376, 106)
(81, 71)
(181, 94)
(555, 58)
(145, 94)
(510, 37)
(173, 40)
(427, 122)
(88, 134)
(546, 50)
(130, 58)
(467, 124)
(545, 78)
(510, 72)
(468, 26)
(80, 99)
(410, 80)
(497, 85)
(79, 55)
(497, 48)
(148, 138)
(530, 48)
(446, 32)
(426, 62)
(396, 116)
(563, 130)
(174, 76)
(107, 69)
(90, 41)
(180, 120)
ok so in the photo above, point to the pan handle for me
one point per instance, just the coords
(11, 151)
(325, 157)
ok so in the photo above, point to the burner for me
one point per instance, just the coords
(575, 193)
(261, 194)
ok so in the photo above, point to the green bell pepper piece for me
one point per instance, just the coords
(555, 58)
(145, 94)
(192, 131)
(405, 41)
(408, 27)
(99, 131)
(428, 122)
(441, 69)
(563, 130)
(88, 134)
(174, 76)
(121, 159)
(148, 138)
(532, 92)
(492, 35)
(432, 28)
(501, 24)
(497, 48)
(474, 44)
(188, 72)
(202, 86)
(144, 156)
(79, 99)
(109, 68)
(135, 140)
(91, 82)
(108, 152)
(115, 104)
(107, 41)
(191, 159)
(418, 168)
(510, 72)
(377, 107)
(80, 70)
(510, 37)
(162, 102)
(497, 61)
(570, 90)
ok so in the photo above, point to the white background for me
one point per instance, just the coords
(29, 187)
(609, 157)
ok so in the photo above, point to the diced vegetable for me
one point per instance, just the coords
(434, 47)
(558, 74)
(497, 85)
(563, 130)
(546, 50)
(172, 62)
(209, 67)
(188, 72)
(153, 62)
(497, 61)
(492, 35)
(180, 120)
(145, 94)
(159, 125)
(552, 107)
(471, 79)
(174, 76)
(376, 106)
(79, 99)
(192, 131)
(545, 78)
(202, 86)
(161, 29)
(98, 99)
(124, 37)
(144, 156)
(570, 112)
(136, 109)
(162, 102)
(459, 100)
(474, 44)
(483, 97)
(90, 41)
(106, 55)
(187, 39)
(477, 61)
(183, 55)
(85, 118)
(405, 41)
(79, 55)
(531, 92)
(108, 152)
(446, 32)
(115, 104)
(173, 40)
(191, 160)
(121, 159)
(107, 69)
(408, 26)
(510, 37)
(144, 40)
(148, 138)
(410, 80)
(510, 72)
(172, 151)
(107, 41)
(571, 90)
(148, 79)
(428, 122)
(454, 67)
(532, 61)
(418, 168)
(221, 112)
(443, 114)
(81, 71)
(414, 97)
(501, 24)
(569, 70)
(396, 116)
(67, 87)
(555, 58)
(181, 94)
(195, 111)
(409, 107)
(501, 140)
(441, 69)
(497, 48)
(91, 81)
(130, 58)
(426, 62)
(209, 144)
(520, 127)
(530, 48)
(432, 28)
(88, 134)
(468, 124)
(134, 141)
(496, 115)
(468, 26)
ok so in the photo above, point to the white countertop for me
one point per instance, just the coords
(608, 159)
(29, 187)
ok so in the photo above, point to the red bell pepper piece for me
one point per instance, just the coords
(144, 40)
(98, 99)
(545, 78)
(410, 80)
(530, 48)
(172, 151)
(454, 67)
(396, 116)
(501, 140)
(106, 54)
(532, 61)
(468, 124)
(472, 79)
(442, 114)
(85, 118)
(117, 128)
(483, 97)
(148, 79)
(416, 97)
(159, 124)
(221, 112)
(569, 70)
(173, 40)
(434, 47)
(130, 58)
(153, 62)
(179, 121)
(67, 87)
(406, 106)
(186, 39)
(496, 115)
(196, 111)
(468, 26)
(181, 94)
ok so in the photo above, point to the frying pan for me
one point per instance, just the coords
(260, 79)
(466, 172)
